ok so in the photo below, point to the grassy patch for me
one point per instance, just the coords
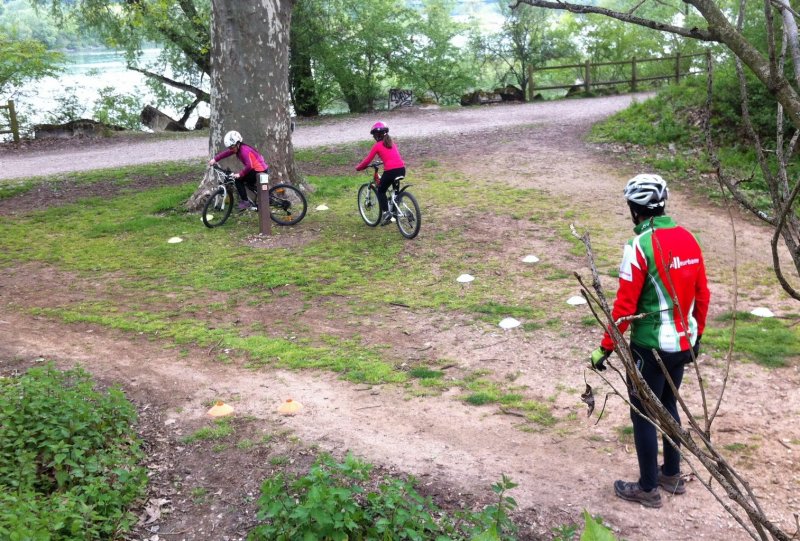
(422, 372)
(767, 341)
(221, 429)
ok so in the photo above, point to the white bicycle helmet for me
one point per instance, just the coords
(231, 138)
(647, 190)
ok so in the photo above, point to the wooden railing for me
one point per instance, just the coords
(12, 121)
(676, 73)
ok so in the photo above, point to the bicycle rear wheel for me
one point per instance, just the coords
(217, 208)
(287, 204)
(409, 218)
(368, 205)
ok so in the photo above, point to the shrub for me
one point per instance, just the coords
(339, 501)
(70, 468)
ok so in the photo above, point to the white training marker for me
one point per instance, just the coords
(530, 259)
(175, 240)
(576, 300)
(762, 312)
(322, 207)
(509, 323)
(464, 278)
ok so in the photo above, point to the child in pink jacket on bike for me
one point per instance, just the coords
(393, 165)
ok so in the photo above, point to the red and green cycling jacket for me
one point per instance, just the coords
(662, 264)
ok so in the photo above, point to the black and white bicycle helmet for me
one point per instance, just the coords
(647, 191)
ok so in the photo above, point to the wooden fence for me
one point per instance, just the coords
(588, 81)
(12, 121)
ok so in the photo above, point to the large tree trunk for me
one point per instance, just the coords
(250, 80)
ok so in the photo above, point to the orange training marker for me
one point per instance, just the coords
(220, 409)
(290, 407)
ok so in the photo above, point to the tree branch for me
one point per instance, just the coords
(694, 33)
(200, 94)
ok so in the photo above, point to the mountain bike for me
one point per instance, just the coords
(402, 205)
(287, 204)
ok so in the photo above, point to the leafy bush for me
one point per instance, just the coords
(118, 109)
(339, 501)
(70, 458)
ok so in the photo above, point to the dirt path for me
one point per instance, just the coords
(439, 439)
(53, 157)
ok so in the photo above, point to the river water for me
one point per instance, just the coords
(86, 73)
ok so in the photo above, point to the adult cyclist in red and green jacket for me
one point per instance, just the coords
(252, 161)
(662, 264)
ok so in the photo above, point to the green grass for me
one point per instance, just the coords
(769, 342)
(221, 429)
(668, 141)
(112, 176)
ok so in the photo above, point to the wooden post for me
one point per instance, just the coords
(587, 77)
(678, 68)
(264, 221)
(530, 83)
(633, 74)
(13, 117)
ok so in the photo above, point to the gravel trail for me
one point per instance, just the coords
(80, 155)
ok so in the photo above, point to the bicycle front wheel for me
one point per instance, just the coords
(287, 204)
(217, 208)
(409, 218)
(368, 205)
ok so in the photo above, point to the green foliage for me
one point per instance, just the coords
(657, 121)
(68, 107)
(526, 39)
(29, 23)
(767, 341)
(342, 500)
(431, 63)
(594, 529)
(70, 468)
(23, 61)
(360, 39)
(565, 532)
(118, 109)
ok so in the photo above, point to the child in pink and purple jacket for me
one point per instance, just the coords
(393, 165)
(253, 165)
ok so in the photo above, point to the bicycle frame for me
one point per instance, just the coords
(224, 180)
(376, 181)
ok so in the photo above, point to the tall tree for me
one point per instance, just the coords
(525, 40)
(360, 39)
(431, 62)
(250, 79)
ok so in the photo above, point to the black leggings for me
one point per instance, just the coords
(249, 180)
(387, 179)
(644, 434)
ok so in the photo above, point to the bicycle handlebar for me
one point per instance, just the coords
(226, 170)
